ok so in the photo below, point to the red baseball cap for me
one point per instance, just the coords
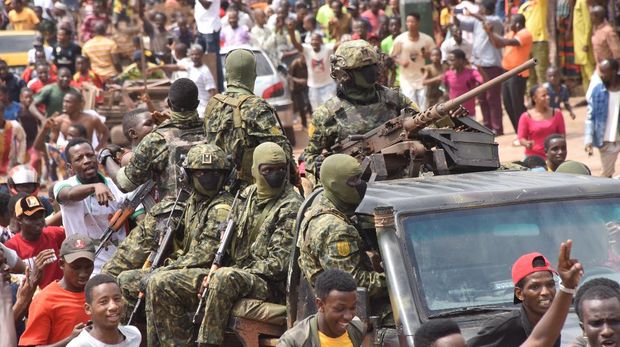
(525, 266)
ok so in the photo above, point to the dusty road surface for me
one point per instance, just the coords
(508, 152)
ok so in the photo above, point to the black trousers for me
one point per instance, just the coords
(513, 93)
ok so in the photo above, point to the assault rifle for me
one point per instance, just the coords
(156, 258)
(226, 230)
(123, 213)
(406, 147)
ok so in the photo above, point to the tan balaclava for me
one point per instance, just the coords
(240, 66)
(269, 186)
(335, 171)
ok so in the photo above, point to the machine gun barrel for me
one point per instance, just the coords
(441, 110)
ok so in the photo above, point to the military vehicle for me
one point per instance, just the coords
(449, 225)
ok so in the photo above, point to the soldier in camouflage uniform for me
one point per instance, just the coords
(156, 158)
(261, 246)
(328, 237)
(238, 121)
(359, 106)
(171, 289)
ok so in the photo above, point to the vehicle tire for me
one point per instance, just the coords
(290, 134)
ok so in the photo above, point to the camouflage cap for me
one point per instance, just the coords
(206, 156)
(354, 54)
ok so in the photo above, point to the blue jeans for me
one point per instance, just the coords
(211, 44)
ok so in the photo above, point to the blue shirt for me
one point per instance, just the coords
(12, 110)
(557, 99)
(596, 116)
(483, 52)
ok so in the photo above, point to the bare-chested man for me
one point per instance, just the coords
(72, 114)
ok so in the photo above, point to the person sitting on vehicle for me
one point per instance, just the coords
(330, 240)
(532, 276)
(439, 333)
(600, 296)
(555, 149)
(260, 249)
(335, 323)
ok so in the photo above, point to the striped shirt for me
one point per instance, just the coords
(99, 50)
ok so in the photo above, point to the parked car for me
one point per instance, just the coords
(14, 48)
(271, 85)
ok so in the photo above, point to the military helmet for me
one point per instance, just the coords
(206, 156)
(354, 54)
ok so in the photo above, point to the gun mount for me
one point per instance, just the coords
(408, 146)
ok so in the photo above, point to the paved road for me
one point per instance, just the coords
(508, 152)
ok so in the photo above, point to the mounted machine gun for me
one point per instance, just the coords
(407, 147)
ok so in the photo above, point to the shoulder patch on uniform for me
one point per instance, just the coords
(343, 247)
(275, 130)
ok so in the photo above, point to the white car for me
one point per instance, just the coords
(272, 85)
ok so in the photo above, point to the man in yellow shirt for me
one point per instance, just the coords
(335, 324)
(103, 53)
(582, 32)
(535, 13)
(22, 18)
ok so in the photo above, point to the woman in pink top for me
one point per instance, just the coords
(460, 79)
(539, 122)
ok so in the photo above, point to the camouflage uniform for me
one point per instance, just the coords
(171, 289)
(342, 116)
(328, 238)
(152, 160)
(260, 252)
(238, 121)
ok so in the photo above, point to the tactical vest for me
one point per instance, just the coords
(240, 148)
(179, 141)
(353, 119)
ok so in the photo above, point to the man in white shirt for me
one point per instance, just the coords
(409, 51)
(321, 86)
(105, 306)
(602, 118)
(88, 199)
(207, 16)
(260, 35)
(453, 42)
(199, 73)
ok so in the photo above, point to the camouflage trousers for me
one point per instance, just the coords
(171, 300)
(135, 248)
(226, 287)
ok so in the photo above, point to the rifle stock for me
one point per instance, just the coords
(155, 258)
(219, 255)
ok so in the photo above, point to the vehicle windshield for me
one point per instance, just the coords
(463, 259)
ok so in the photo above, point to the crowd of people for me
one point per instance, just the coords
(215, 154)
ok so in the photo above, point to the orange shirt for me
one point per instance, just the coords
(53, 314)
(517, 55)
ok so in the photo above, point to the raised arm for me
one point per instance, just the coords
(548, 329)
(290, 26)
(103, 134)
